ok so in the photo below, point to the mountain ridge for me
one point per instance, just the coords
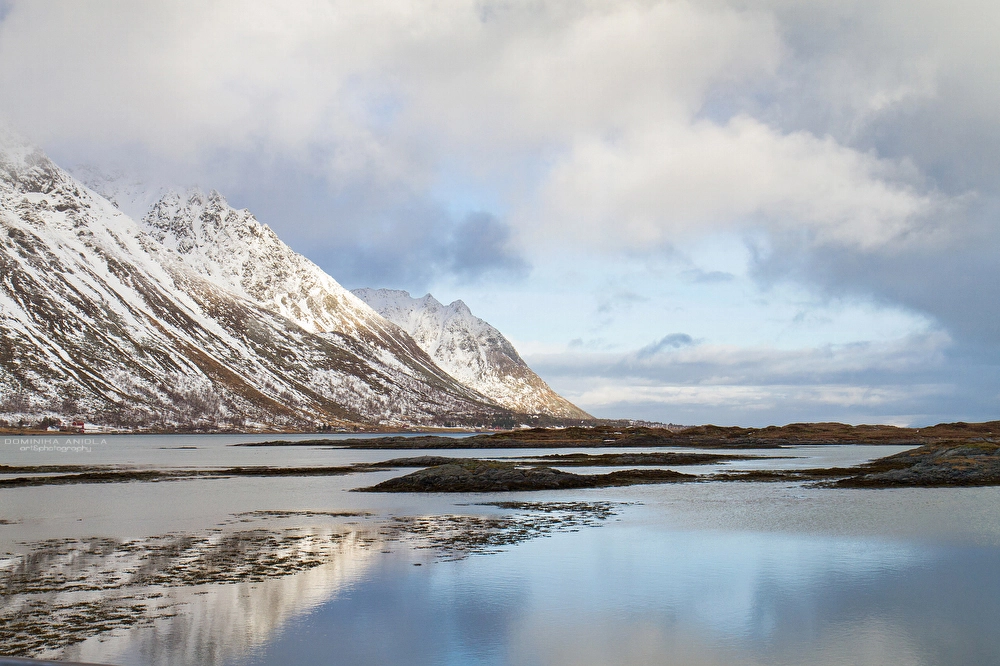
(98, 318)
(197, 315)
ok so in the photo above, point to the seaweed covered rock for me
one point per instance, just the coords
(941, 464)
(470, 475)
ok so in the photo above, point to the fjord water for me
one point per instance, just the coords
(694, 573)
(639, 594)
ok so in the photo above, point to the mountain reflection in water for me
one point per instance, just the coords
(626, 596)
(211, 623)
(630, 592)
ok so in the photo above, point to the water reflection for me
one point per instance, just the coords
(213, 623)
(699, 573)
(174, 598)
(628, 592)
(624, 597)
(201, 598)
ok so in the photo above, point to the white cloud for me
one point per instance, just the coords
(190, 78)
(371, 79)
(674, 180)
(726, 398)
(905, 380)
(535, 75)
(585, 113)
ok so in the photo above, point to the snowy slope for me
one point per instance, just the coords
(232, 249)
(471, 351)
(99, 318)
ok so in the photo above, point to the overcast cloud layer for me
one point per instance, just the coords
(714, 211)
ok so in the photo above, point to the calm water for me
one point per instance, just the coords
(706, 573)
(631, 594)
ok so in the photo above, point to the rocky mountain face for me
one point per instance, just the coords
(202, 317)
(471, 351)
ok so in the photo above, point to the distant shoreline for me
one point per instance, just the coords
(792, 433)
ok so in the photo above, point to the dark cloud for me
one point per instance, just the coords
(911, 81)
(672, 341)
(707, 277)
(955, 281)
(481, 245)
(920, 359)
(411, 246)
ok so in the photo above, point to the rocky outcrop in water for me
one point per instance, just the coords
(941, 464)
(469, 475)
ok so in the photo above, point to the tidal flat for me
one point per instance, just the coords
(283, 568)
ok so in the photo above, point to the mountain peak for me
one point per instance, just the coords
(131, 195)
(233, 249)
(459, 307)
(470, 350)
(24, 167)
(185, 220)
(15, 147)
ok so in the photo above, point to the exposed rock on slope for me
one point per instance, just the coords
(471, 351)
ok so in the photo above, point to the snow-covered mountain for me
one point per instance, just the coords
(203, 316)
(132, 196)
(232, 249)
(471, 351)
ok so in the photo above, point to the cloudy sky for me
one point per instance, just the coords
(729, 212)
